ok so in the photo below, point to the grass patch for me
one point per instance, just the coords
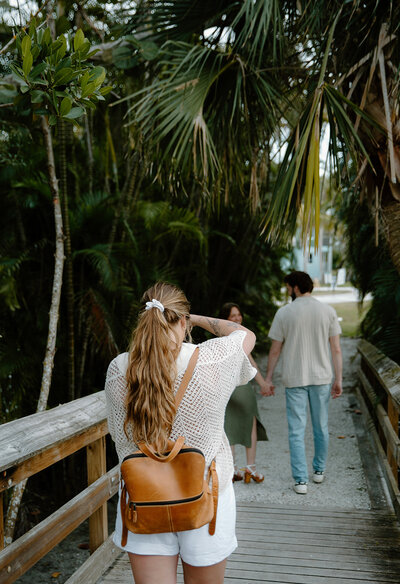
(351, 315)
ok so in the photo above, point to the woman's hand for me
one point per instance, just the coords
(267, 388)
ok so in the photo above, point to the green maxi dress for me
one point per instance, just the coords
(240, 412)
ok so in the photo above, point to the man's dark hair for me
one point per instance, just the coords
(300, 279)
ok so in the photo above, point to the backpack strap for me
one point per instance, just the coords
(186, 378)
(124, 537)
(149, 451)
(214, 482)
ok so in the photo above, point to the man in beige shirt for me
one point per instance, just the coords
(305, 333)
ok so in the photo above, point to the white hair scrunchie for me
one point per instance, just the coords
(154, 304)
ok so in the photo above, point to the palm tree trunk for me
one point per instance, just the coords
(13, 507)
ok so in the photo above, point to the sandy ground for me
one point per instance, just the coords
(344, 487)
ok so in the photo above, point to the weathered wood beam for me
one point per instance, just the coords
(28, 437)
(386, 371)
(96, 467)
(392, 440)
(16, 474)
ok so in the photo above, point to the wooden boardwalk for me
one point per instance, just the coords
(304, 546)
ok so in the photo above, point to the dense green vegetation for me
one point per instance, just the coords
(174, 170)
(372, 270)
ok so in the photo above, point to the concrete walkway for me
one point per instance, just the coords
(345, 485)
(338, 295)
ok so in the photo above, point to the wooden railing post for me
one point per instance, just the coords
(393, 415)
(1, 522)
(96, 467)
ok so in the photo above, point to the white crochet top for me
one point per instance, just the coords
(221, 366)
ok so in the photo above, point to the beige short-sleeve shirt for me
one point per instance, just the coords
(304, 327)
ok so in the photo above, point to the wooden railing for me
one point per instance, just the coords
(33, 443)
(380, 390)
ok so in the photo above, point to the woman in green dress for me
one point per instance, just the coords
(242, 419)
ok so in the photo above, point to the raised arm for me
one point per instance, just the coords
(222, 328)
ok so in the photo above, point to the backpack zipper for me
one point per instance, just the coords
(132, 513)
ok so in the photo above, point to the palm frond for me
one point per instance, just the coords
(101, 261)
(174, 106)
(255, 24)
(180, 19)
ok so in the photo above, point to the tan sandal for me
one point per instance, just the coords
(250, 473)
(237, 475)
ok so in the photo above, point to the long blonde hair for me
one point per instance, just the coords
(151, 370)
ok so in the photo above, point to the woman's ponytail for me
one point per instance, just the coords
(151, 370)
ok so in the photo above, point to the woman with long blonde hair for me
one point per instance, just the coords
(140, 392)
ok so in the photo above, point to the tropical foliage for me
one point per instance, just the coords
(372, 271)
(231, 75)
(210, 132)
(122, 231)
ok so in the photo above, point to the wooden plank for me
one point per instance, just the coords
(24, 438)
(287, 551)
(280, 545)
(296, 578)
(313, 511)
(46, 458)
(314, 571)
(19, 556)
(96, 467)
(393, 454)
(310, 540)
(312, 558)
(267, 518)
(320, 518)
(272, 519)
(311, 564)
(271, 574)
(381, 537)
(1, 522)
(386, 371)
(392, 439)
(96, 564)
(325, 527)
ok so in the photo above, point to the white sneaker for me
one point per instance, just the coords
(318, 476)
(300, 488)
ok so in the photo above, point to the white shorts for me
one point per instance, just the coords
(196, 547)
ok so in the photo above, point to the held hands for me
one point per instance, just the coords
(267, 388)
(336, 389)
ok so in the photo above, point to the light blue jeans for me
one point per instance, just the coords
(297, 400)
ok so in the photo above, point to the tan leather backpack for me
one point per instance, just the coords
(168, 493)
